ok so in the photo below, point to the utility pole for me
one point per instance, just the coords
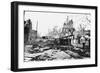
(67, 19)
(37, 28)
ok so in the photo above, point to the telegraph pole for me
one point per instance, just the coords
(37, 28)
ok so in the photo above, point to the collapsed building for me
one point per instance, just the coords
(67, 32)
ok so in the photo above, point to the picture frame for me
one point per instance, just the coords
(32, 23)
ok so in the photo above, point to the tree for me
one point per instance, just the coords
(55, 32)
(84, 24)
(82, 27)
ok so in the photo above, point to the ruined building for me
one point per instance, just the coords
(29, 34)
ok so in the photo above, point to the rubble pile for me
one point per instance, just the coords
(53, 52)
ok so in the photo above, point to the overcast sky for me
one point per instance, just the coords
(46, 21)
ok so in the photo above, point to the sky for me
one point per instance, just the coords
(47, 20)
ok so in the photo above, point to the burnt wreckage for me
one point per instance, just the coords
(71, 43)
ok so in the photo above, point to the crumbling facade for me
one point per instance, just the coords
(29, 34)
